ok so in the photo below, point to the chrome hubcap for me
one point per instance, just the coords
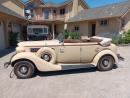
(23, 70)
(106, 62)
(46, 57)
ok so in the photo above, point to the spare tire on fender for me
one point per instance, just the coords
(47, 54)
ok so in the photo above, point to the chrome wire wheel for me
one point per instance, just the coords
(47, 57)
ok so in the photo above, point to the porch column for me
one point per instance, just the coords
(53, 31)
(65, 26)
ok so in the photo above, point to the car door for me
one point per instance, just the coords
(69, 53)
(88, 51)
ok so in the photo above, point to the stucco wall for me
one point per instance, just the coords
(127, 21)
(83, 28)
(111, 30)
(59, 28)
(39, 14)
(14, 6)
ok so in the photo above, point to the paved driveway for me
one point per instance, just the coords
(86, 83)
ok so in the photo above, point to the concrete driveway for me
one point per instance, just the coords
(83, 83)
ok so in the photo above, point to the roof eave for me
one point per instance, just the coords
(91, 19)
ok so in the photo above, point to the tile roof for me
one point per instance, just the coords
(10, 12)
(108, 11)
(52, 4)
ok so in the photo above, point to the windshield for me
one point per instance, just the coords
(38, 30)
(61, 37)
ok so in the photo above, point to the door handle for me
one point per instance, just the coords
(61, 50)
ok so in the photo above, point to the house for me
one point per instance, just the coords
(77, 16)
(107, 21)
(11, 20)
(54, 15)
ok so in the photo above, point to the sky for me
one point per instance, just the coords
(92, 3)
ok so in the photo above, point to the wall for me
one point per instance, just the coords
(39, 14)
(59, 28)
(111, 30)
(14, 6)
(84, 30)
(127, 21)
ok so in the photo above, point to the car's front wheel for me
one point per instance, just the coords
(105, 63)
(24, 69)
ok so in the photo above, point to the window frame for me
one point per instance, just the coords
(62, 11)
(76, 28)
(104, 22)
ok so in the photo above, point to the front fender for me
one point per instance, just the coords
(102, 53)
(40, 64)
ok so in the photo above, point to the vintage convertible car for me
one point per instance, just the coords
(57, 55)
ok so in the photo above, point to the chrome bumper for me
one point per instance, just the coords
(7, 64)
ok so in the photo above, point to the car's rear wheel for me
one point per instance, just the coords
(105, 63)
(24, 69)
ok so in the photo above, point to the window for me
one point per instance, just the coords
(45, 30)
(37, 30)
(29, 30)
(76, 28)
(62, 11)
(46, 13)
(104, 22)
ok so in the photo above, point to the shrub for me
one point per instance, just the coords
(72, 35)
(124, 39)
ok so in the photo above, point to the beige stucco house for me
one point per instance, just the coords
(11, 20)
(77, 16)
(55, 16)
(71, 15)
(106, 21)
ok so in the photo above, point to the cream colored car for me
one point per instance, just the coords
(55, 55)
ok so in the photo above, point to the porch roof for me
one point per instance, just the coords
(108, 11)
(7, 11)
(46, 21)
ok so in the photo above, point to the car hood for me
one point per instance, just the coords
(38, 43)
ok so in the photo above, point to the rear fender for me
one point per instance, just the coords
(102, 53)
(40, 64)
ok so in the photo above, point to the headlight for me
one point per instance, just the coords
(20, 49)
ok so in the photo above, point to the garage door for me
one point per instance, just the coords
(2, 40)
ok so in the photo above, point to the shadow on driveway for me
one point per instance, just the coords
(65, 72)
(71, 71)
(6, 52)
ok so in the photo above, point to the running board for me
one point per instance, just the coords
(75, 66)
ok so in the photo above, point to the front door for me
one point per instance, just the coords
(93, 29)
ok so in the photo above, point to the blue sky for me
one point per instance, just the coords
(92, 3)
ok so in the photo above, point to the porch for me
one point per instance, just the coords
(10, 25)
(55, 27)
